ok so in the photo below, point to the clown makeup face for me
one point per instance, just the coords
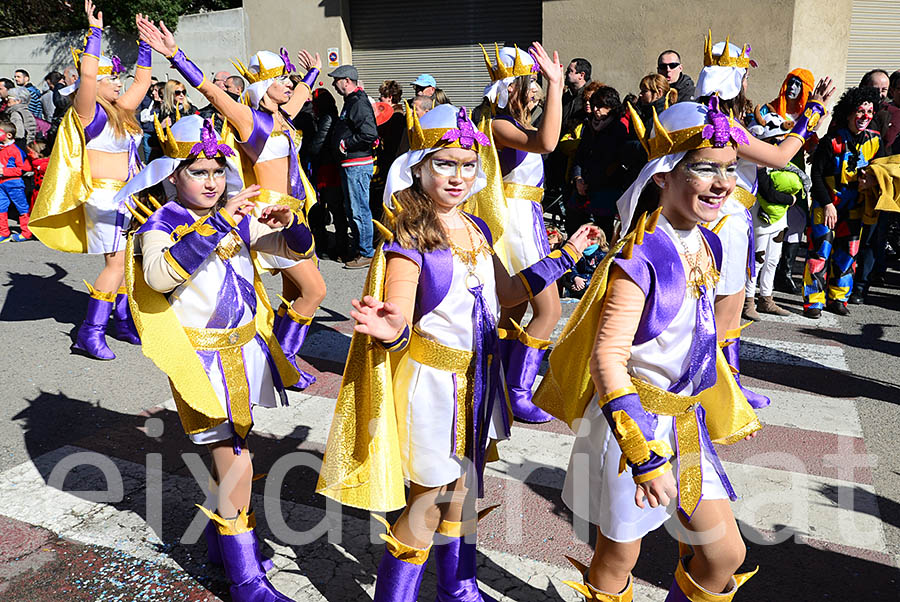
(794, 87)
(109, 88)
(200, 184)
(698, 186)
(861, 119)
(447, 176)
(281, 90)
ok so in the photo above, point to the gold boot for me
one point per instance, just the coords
(591, 593)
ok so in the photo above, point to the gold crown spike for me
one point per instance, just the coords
(501, 71)
(396, 203)
(639, 128)
(170, 146)
(662, 132)
(385, 233)
(661, 142)
(651, 223)
(262, 75)
(725, 59)
(639, 229)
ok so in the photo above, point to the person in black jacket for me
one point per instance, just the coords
(354, 139)
(327, 178)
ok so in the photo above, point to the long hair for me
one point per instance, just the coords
(740, 106)
(517, 106)
(659, 86)
(122, 121)
(849, 102)
(417, 225)
(169, 102)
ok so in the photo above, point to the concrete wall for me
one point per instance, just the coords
(209, 39)
(622, 39)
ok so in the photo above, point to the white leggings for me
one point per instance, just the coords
(768, 252)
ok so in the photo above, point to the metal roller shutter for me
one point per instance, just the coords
(443, 42)
(874, 38)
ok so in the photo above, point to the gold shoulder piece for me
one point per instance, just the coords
(639, 229)
(651, 223)
(628, 249)
(387, 234)
(639, 128)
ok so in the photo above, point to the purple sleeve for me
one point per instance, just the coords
(92, 44)
(145, 55)
(186, 68)
(548, 270)
(411, 254)
(298, 237)
(630, 403)
(190, 250)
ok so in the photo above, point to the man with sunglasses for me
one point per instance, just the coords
(669, 66)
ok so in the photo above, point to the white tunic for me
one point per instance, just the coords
(735, 234)
(593, 489)
(425, 397)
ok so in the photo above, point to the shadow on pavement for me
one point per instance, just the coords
(31, 297)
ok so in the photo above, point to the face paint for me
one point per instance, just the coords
(201, 175)
(448, 169)
(709, 170)
(863, 117)
(795, 86)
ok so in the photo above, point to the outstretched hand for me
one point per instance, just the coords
(242, 203)
(823, 91)
(159, 38)
(307, 61)
(382, 321)
(584, 237)
(276, 216)
(551, 68)
(93, 20)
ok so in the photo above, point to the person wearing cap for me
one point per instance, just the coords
(94, 155)
(425, 85)
(355, 138)
(269, 146)
(21, 116)
(206, 325)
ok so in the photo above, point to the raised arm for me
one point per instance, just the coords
(85, 101)
(303, 91)
(136, 93)
(545, 138)
(162, 41)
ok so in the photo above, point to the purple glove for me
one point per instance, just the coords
(298, 237)
(145, 55)
(310, 78)
(186, 68)
(548, 270)
(634, 428)
(92, 44)
(808, 120)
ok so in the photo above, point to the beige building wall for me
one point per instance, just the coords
(622, 39)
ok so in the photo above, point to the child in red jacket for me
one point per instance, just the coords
(13, 164)
(39, 160)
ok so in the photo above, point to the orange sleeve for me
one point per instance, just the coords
(401, 281)
(619, 321)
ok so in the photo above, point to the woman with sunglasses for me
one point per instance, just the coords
(175, 103)
(95, 154)
(269, 146)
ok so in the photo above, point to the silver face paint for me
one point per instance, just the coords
(201, 175)
(709, 170)
(795, 86)
(448, 169)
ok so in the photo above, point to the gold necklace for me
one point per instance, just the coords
(469, 257)
(697, 277)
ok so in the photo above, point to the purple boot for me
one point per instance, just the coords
(125, 330)
(290, 328)
(400, 570)
(522, 363)
(732, 352)
(240, 555)
(456, 565)
(214, 552)
(91, 338)
(685, 589)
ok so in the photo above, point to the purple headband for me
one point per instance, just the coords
(719, 129)
(465, 132)
(288, 66)
(208, 144)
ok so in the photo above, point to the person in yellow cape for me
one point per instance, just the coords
(95, 153)
(268, 145)
(638, 373)
(205, 320)
(421, 397)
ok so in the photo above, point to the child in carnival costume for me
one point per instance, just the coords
(205, 320)
(516, 217)
(268, 145)
(421, 398)
(95, 153)
(724, 78)
(639, 362)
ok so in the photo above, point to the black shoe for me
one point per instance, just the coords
(857, 299)
(838, 307)
(813, 313)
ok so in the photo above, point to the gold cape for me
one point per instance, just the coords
(362, 465)
(490, 203)
(567, 387)
(885, 196)
(164, 341)
(58, 215)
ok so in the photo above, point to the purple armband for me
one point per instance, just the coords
(548, 270)
(400, 342)
(634, 428)
(92, 44)
(145, 55)
(310, 78)
(298, 237)
(192, 248)
(808, 120)
(186, 68)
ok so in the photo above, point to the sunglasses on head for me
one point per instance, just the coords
(667, 65)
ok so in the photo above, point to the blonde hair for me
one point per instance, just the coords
(659, 85)
(169, 103)
(416, 225)
(517, 106)
(121, 120)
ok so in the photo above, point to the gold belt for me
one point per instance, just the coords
(687, 433)
(523, 191)
(107, 184)
(460, 363)
(218, 339)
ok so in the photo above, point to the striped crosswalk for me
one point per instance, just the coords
(806, 480)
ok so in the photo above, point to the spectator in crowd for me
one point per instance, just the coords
(51, 99)
(149, 107)
(655, 93)
(422, 104)
(234, 85)
(391, 93)
(887, 117)
(440, 97)
(220, 78)
(175, 103)
(21, 117)
(878, 79)
(39, 157)
(23, 80)
(598, 173)
(668, 64)
(578, 75)
(354, 139)
(5, 86)
(327, 177)
(12, 187)
(391, 132)
(576, 281)
(70, 75)
(424, 85)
